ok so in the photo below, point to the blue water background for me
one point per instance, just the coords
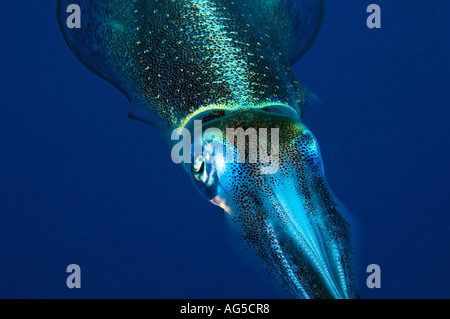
(80, 183)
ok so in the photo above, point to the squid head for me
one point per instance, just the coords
(274, 190)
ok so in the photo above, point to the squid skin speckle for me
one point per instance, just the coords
(228, 63)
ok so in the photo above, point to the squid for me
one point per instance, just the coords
(197, 70)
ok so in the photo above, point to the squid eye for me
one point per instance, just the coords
(199, 165)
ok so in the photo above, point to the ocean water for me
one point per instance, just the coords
(82, 184)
